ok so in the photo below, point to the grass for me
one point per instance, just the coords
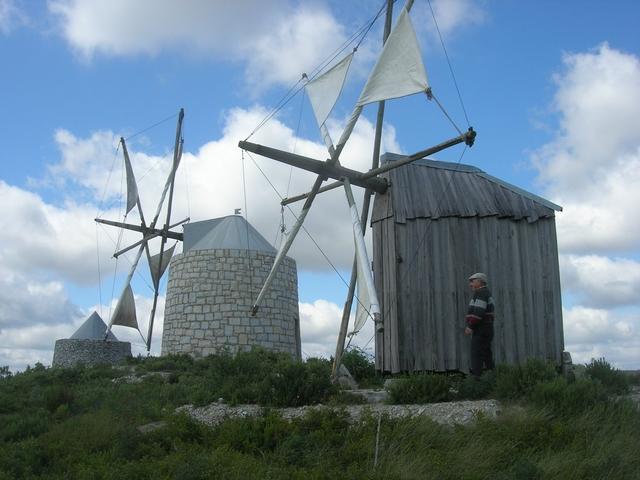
(79, 423)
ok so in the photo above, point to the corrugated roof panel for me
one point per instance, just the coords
(432, 189)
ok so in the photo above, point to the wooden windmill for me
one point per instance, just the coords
(399, 72)
(125, 311)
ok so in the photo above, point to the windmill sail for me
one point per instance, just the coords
(132, 186)
(324, 90)
(363, 308)
(398, 72)
(125, 312)
(158, 270)
(368, 304)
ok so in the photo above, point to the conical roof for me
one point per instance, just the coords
(93, 329)
(227, 232)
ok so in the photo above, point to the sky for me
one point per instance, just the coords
(552, 88)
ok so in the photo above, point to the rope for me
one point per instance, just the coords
(432, 96)
(106, 184)
(151, 126)
(328, 260)
(449, 63)
(295, 89)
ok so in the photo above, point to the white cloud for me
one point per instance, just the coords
(26, 301)
(275, 39)
(300, 42)
(120, 27)
(11, 17)
(595, 333)
(319, 327)
(601, 282)
(37, 237)
(592, 167)
(451, 15)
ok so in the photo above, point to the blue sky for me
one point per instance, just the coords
(553, 89)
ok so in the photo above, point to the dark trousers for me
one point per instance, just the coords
(481, 354)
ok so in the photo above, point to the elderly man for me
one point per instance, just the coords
(480, 316)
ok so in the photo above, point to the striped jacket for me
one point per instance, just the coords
(481, 308)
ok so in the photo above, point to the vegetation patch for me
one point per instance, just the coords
(80, 423)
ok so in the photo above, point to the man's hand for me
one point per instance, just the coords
(468, 331)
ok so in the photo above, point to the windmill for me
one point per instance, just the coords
(125, 310)
(398, 72)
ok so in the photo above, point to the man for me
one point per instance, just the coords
(479, 319)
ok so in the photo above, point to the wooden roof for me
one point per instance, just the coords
(432, 189)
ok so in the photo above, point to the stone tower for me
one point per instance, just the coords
(88, 346)
(213, 284)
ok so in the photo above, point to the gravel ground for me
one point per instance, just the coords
(448, 413)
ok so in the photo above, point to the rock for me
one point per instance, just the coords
(345, 380)
(150, 427)
(372, 396)
(448, 413)
(388, 382)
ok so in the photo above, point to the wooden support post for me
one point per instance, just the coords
(346, 312)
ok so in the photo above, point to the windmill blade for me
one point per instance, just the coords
(126, 302)
(366, 287)
(177, 155)
(152, 315)
(158, 264)
(158, 270)
(125, 312)
(323, 92)
(133, 198)
(398, 72)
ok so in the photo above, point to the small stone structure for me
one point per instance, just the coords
(87, 346)
(213, 284)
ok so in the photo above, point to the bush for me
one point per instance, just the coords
(475, 388)
(362, 367)
(614, 381)
(517, 381)
(292, 383)
(420, 388)
(563, 398)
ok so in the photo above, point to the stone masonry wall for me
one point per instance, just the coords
(72, 351)
(209, 299)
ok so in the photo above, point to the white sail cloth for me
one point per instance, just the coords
(324, 90)
(398, 72)
(368, 304)
(132, 186)
(158, 270)
(125, 312)
(323, 93)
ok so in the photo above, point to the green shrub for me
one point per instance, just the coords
(563, 398)
(5, 372)
(167, 363)
(362, 367)
(475, 388)
(420, 388)
(516, 381)
(613, 380)
(292, 383)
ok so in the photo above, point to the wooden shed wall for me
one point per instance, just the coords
(421, 268)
